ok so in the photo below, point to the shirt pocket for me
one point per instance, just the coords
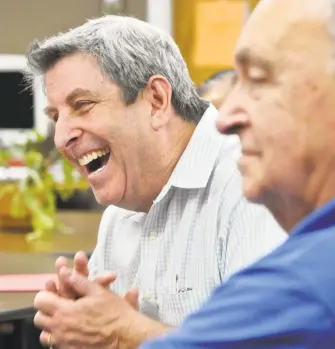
(173, 308)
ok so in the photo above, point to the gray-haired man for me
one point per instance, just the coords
(128, 117)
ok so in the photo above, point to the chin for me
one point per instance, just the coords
(105, 198)
(252, 190)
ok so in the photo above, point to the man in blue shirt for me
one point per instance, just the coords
(283, 110)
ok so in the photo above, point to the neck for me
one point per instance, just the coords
(289, 210)
(172, 144)
(326, 189)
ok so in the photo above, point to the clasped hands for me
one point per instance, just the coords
(80, 313)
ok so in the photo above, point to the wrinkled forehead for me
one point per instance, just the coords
(285, 28)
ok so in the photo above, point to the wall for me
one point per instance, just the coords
(206, 32)
(23, 20)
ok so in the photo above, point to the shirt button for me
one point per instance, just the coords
(153, 235)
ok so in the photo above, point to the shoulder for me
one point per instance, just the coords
(268, 298)
(313, 259)
(265, 304)
(298, 268)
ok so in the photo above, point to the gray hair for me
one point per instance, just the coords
(129, 52)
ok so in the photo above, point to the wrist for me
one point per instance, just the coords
(140, 329)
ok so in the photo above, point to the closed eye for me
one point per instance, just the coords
(257, 75)
(82, 104)
(82, 107)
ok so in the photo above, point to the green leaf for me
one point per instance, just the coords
(17, 206)
(68, 170)
(7, 189)
(43, 221)
(33, 159)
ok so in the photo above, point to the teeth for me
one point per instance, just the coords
(86, 159)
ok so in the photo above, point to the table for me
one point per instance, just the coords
(17, 256)
(17, 307)
(84, 224)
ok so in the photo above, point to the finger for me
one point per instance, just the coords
(49, 302)
(80, 284)
(132, 298)
(63, 291)
(105, 280)
(43, 321)
(48, 341)
(44, 337)
(51, 286)
(61, 262)
(81, 263)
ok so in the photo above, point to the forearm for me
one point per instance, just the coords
(141, 329)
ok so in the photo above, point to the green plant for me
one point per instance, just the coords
(35, 195)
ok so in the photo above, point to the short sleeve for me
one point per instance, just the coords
(258, 308)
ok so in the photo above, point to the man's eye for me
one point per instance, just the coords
(257, 75)
(82, 104)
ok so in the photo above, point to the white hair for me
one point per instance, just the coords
(129, 52)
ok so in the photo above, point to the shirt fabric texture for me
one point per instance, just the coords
(284, 301)
(198, 232)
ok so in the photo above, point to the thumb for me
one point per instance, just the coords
(80, 285)
(132, 298)
(105, 280)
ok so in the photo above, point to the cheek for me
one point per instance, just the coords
(275, 130)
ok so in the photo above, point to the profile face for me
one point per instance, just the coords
(284, 101)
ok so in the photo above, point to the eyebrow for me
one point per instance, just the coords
(69, 99)
(245, 57)
(77, 93)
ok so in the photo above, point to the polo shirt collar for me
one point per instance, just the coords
(321, 218)
(198, 159)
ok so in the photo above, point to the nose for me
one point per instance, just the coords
(231, 120)
(66, 134)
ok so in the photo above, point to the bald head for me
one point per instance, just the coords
(283, 108)
(305, 12)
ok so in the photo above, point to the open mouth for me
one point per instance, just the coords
(95, 160)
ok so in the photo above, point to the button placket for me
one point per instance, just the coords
(150, 253)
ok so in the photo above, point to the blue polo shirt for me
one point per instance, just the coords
(285, 300)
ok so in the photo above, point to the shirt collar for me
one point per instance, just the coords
(321, 218)
(196, 164)
(198, 159)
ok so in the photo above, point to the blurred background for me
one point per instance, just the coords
(205, 30)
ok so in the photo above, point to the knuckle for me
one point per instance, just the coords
(38, 299)
(69, 338)
(36, 318)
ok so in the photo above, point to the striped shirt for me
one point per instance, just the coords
(199, 230)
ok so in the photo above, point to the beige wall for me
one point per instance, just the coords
(21, 21)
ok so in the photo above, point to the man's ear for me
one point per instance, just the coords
(159, 92)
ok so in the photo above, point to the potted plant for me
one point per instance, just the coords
(32, 198)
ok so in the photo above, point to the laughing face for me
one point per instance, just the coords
(102, 137)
